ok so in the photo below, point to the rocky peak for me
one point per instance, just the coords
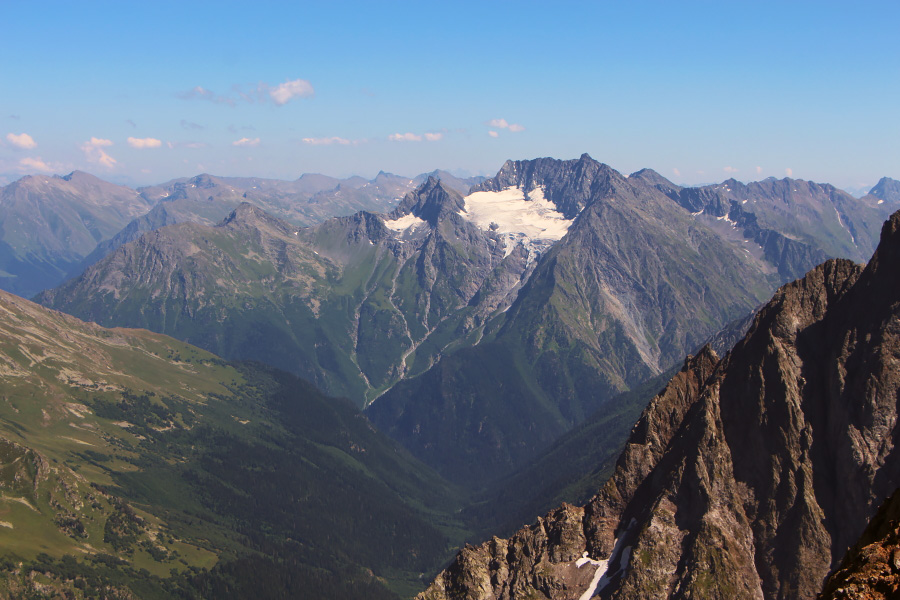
(569, 184)
(250, 217)
(430, 202)
(887, 190)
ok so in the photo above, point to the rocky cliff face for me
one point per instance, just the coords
(747, 477)
(871, 570)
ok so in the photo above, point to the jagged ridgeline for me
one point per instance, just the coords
(482, 326)
(133, 465)
(746, 477)
(52, 228)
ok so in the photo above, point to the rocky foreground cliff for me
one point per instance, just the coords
(871, 570)
(746, 477)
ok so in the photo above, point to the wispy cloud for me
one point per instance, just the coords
(142, 143)
(327, 141)
(729, 169)
(173, 145)
(94, 151)
(246, 142)
(132, 123)
(279, 94)
(287, 91)
(21, 140)
(503, 124)
(789, 172)
(676, 172)
(405, 137)
(493, 134)
(190, 125)
(201, 93)
(759, 170)
(431, 136)
(34, 164)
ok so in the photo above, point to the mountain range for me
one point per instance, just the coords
(479, 328)
(52, 228)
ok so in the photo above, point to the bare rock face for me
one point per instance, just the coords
(747, 477)
(871, 570)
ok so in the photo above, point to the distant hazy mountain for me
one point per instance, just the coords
(746, 477)
(309, 200)
(49, 224)
(172, 474)
(886, 191)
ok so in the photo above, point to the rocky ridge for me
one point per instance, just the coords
(745, 477)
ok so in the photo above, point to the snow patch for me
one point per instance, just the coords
(881, 202)
(727, 220)
(516, 216)
(404, 223)
(602, 576)
(601, 565)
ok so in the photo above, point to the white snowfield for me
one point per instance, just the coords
(405, 222)
(516, 216)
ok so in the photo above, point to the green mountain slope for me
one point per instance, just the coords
(164, 471)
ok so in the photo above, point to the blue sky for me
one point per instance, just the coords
(141, 93)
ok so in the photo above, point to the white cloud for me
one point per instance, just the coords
(94, 151)
(493, 134)
(34, 164)
(515, 128)
(142, 143)
(21, 140)
(327, 141)
(434, 137)
(676, 172)
(246, 142)
(759, 170)
(729, 169)
(298, 88)
(789, 172)
(405, 137)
